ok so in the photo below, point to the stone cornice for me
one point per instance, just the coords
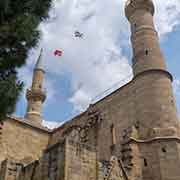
(166, 138)
(154, 70)
(30, 124)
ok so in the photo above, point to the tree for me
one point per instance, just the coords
(19, 20)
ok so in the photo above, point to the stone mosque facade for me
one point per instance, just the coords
(131, 134)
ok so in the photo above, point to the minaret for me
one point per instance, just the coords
(36, 95)
(155, 107)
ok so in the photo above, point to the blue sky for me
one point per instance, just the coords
(102, 58)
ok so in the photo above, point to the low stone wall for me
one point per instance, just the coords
(19, 141)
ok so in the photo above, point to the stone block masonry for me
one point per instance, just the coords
(131, 134)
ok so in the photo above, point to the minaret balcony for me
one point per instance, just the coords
(36, 94)
(133, 5)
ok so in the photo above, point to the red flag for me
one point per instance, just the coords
(58, 53)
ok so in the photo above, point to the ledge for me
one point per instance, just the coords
(155, 139)
(30, 124)
(154, 70)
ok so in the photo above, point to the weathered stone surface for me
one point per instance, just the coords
(132, 134)
(21, 141)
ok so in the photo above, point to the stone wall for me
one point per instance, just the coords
(159, 159)
(80, 161)
(49, 166)
(61, 131)
(65, 160)
(155, 104)
(116, 109)
(53, 162)
(30, 172)
(71, 160)
(111, 170)
(132, 117)
(21, 141)
(118, 112)
(10, 169)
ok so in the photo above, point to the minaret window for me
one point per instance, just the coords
(145, 162)
(164, 150)
(172, 100)
(146, 52)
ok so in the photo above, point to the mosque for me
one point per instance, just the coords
(131, 134)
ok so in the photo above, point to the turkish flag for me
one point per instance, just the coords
(58, 53)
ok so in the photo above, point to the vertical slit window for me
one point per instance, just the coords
(164, 150)
(113, 135)
(145, 162)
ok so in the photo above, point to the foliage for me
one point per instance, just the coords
(19, 20)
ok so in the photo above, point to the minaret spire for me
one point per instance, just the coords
(39, 63)
(36, 95)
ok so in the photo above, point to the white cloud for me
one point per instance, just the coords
(51, 124)
(95, 62)
(167, 15)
